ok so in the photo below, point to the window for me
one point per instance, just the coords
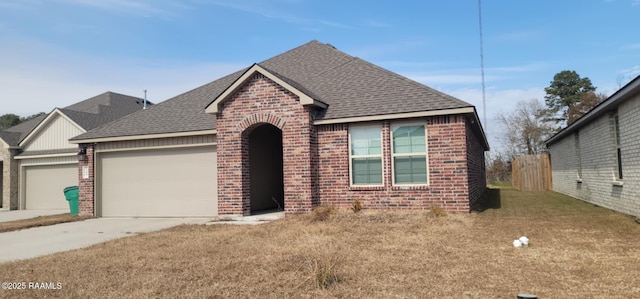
(409, 154)
(365, 149)
(616, 138)
(578, 154)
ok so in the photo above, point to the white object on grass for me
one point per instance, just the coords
(524, 240)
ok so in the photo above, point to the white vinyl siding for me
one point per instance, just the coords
(409, 154)
(365, 155)
(55, 134)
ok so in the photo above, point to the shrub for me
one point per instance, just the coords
(357, 206)
(437, 211)
(323, 270)
(322, 213)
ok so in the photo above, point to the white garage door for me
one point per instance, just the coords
(179, 182)
(44, 185)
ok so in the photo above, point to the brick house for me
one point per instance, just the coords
(597, 158)
(307, 127)
(36, 158)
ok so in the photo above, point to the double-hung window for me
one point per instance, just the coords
(365, 149)
(409, 154)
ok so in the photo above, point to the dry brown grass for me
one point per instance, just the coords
(577, 251)
(38, 221)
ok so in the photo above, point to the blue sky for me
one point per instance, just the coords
(57, 52)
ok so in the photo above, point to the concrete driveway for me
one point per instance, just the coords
(46, 240)
(6, 215)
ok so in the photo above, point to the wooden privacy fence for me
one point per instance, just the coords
(531, 173)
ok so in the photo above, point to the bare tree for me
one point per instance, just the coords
(498, 168)
(586, 102)
(527, 127)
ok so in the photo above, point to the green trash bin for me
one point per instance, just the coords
(71, 193)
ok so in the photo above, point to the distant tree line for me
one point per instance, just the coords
(9, 120)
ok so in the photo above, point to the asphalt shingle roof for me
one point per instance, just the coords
(88, 114)
(350, 86)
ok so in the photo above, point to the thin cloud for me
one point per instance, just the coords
(519, 36)
(255, 8)
(449, 79)
(376, 24)
(132, 7)
(375, 50)
(631, 72)
(635, 46)
(279, 14)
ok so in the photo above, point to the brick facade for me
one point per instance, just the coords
(593, 151)
(9, 179)
(316, 158)
(261, 101)
(86, 199)
(449, 174)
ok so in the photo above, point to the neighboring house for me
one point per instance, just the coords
(308, 127)
(597, 158)
(38, 161)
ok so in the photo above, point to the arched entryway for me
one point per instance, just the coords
(265, 169)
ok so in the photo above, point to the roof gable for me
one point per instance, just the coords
(52, 132)
(305, 97)
(86, 115)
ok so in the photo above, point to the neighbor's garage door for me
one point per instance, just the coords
(44, 185)
(179, 182)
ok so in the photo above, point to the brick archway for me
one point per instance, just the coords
(252, 120)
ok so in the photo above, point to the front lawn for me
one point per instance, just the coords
(576, 251)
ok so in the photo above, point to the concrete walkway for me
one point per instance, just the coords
(39, 241)
(248, 220)
(7, 215)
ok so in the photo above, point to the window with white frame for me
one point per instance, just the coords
(409, 154)
(616, 138)
(365, 155)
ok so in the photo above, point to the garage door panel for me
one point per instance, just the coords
(179, 182)
(44, 185)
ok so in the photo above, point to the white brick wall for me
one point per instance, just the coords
(598, 160)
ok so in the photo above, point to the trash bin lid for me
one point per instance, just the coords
(70, 188)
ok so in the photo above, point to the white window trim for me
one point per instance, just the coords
(393, 155)
(381, 155)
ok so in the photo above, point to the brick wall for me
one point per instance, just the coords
(9, 179)
(475, 166)
(597, 158)
(86, 200)
(261, 101)
(448, 170)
